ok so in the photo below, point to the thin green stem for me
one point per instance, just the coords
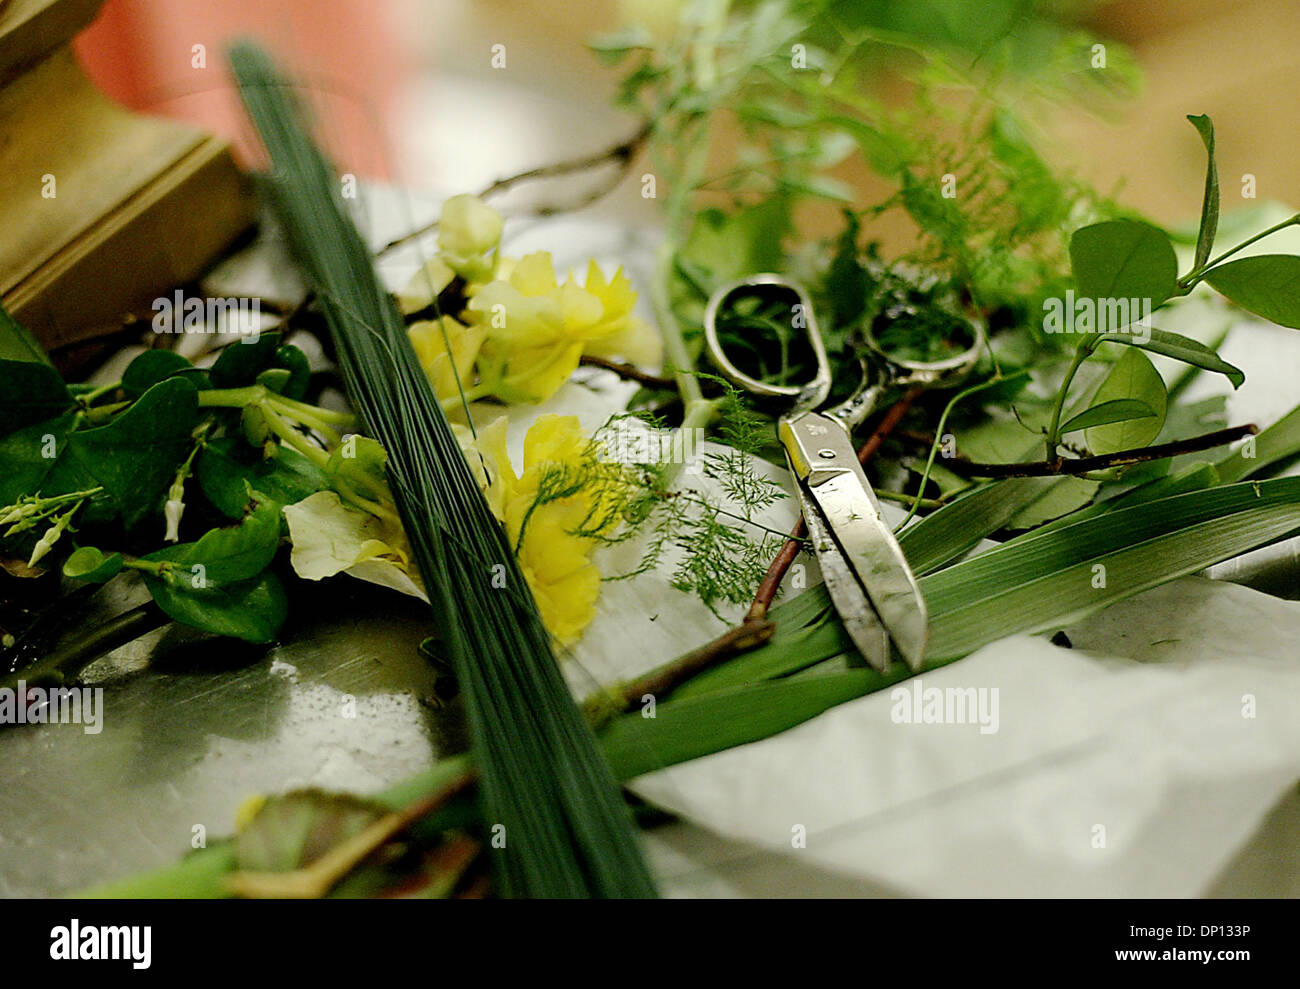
(679, 359)
(1081, 353)
(902, 498)
(103, 413)
(1190, 280)
(232, 398)
(294, 438)
(292, 405)
(88, 398)
(938, 436)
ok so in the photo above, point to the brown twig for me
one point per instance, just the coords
(1074, 467)
(743, 637)
(620, 154)
(628, 372)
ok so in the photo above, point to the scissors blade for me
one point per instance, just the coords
(822, 457)
(856, 613)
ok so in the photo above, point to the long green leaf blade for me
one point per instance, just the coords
(542, 778)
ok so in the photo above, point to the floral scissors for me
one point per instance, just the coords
(866, 574)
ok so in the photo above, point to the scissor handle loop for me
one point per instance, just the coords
(806, 396)
(896, 371)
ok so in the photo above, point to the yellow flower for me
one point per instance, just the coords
(538, 328)
(546, 510)
(444, 367)
(424, 287)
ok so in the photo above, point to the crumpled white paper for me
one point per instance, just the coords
(1106, 777)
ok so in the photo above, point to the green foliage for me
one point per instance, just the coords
(29, 393)
(136, 456)
(17, 342)
(1106, 412)
(150, 368)
(1123, 259)
(1180, 348)
(220, 583)
(228, 468)
(1210, 202)
(89, 563)
(1267, 285)
(1134, 379)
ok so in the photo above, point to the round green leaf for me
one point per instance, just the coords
(227, 468)
(295, 361)
(150, 368)
(89, 563)
(1133, 377)
(252, 609)
(1123, 259)
(29, 393)
(241, 363)
(136, 456)
(274, 379)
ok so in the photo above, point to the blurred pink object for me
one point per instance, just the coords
(168, 57)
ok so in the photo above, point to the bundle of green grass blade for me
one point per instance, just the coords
(567, 831)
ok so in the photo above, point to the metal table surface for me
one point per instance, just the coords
(192, 725)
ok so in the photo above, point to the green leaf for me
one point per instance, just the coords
(1181, 348)
(1064, 496)
(1122, 259)
(1133, 377)
(848, 283)
(29, 392)
(688, 727)
(1070, 592)
(733, 245)
(17, 342)
(1104, 413)
(955, 528)
(150, 368)
(1210, 203)
(241, 363)
(23, 454)
(227, 468)
(253, 609)
(274, 379)
(89, 563)
(1277, 443)
(136, 456)
(1033, 584)
(1267, 285)
(882, 152)
(229, 554)
(295, 361)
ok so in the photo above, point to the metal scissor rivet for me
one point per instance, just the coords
(826, 454)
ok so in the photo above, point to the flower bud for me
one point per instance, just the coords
(173, 511)
(468, 227)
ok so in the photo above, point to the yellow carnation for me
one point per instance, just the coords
(546, 531)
